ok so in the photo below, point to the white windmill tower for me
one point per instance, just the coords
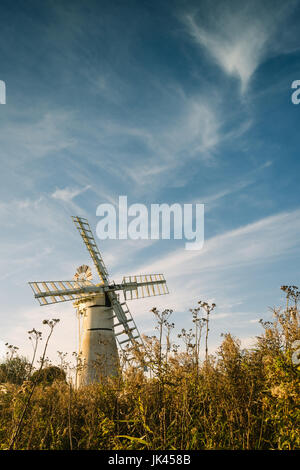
(103, 319)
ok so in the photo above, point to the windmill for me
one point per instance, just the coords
(104, 320)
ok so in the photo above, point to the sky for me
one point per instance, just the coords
(164, 102)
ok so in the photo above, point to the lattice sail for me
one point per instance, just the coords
(148, 285)
(86, 233)
(126, 331)
(52, 292)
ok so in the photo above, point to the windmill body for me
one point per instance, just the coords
(98, 345)
(104, 321)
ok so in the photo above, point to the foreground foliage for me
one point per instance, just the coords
(236, 399)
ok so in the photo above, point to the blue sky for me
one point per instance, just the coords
(161, 101)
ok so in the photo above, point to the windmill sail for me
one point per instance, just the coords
(86, 233)
(147, 285)
(125, 328)
(52, 292)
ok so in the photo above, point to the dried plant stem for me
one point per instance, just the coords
(27, 403)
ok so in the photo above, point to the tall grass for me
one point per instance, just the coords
(234, 399)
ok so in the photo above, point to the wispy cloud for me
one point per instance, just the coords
(192, 134)
(212, 200)
(238, 34)
(253, 243)
(68, 194)
(31, 136)
(202, 273)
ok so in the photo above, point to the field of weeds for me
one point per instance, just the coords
(235, 399)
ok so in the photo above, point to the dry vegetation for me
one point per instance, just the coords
(236, 399)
